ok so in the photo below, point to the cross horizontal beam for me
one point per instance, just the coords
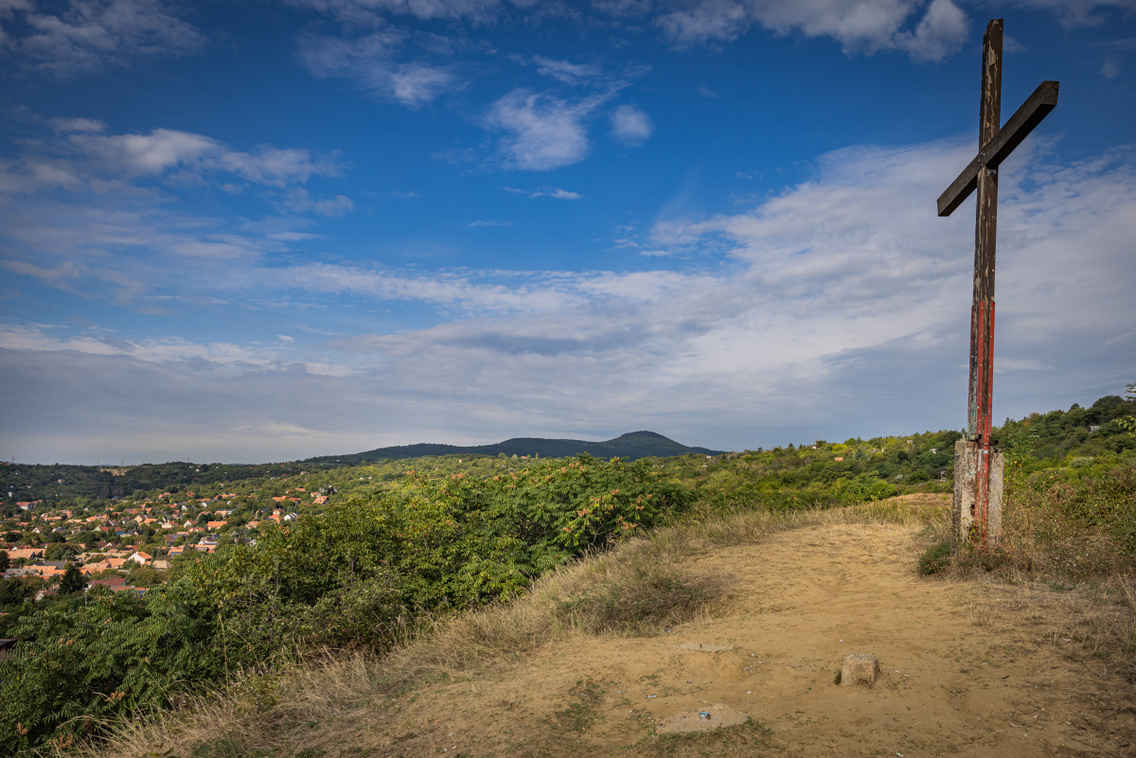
(1033, 110)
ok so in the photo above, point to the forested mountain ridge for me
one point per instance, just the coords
(58, 482)
(631, 446)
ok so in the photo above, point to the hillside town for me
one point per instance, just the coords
(128, 545)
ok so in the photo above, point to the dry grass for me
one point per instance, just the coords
(1101, 617)
(302, 711)
(1070, 581)
(270, 716)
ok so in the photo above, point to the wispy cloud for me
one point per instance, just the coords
(1079, 12)
(708, 21)
(859, 25)
(631, 125)
(553, 192)
(369, 12)
(301, 200)
(565, 72)
(66, 125)
(371, 60)
(77, 36)
(543, 132)
(927, 31)
(84, 155)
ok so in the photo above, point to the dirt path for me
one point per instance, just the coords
(962, 672)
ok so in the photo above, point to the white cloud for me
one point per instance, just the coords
(146, 154)
(277, 166)
(300, 200)
(366, 58)
(64, 276)
(85, 35)
(65, 125)
(940, 32)
(631, 125)
(545, 132)
(371, 61)
(492, 293)
(360, 12)
(85, 155)
(553, 192)
(1078, 12)
(566, 71)
(709, 21)
(859, 25)
(220, 356)
(416, 84)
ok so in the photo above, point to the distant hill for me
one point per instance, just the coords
(627, 446)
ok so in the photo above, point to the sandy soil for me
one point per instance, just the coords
(966, 670)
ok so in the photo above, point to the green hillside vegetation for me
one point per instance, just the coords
(360, 574)
(399, 548)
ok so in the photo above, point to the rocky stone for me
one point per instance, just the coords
(717, 716)
(860, 668)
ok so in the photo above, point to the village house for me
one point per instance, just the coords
(28, 554)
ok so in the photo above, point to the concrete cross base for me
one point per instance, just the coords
(966, 480)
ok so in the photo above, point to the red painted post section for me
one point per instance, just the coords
(983, 423)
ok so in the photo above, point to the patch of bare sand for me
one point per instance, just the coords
(960, 675)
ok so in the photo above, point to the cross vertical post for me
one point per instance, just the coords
(978, 465)
(981, 388)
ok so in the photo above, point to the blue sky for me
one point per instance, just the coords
(254, 231)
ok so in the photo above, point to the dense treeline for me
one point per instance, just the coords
(59, 482)
(821, 473)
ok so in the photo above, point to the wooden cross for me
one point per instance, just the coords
(994, 145)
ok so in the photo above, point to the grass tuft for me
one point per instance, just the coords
(641, 600)
(936, 558)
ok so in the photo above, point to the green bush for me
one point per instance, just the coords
(934, 559)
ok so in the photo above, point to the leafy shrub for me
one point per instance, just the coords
(1073, 522)
(77, 666)
(863, 488)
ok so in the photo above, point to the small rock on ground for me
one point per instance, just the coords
(688, 721)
